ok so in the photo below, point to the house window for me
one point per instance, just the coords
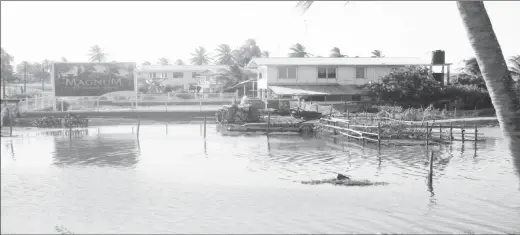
(164, 75)
(326, 72)
(360, 72)
(287, 72)
(153, 75)
(178, 74)
(356, 98)
(260, 75)
(195, 75)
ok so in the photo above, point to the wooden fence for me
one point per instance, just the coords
(379, 129)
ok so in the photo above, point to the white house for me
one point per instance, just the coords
(322, 79)
(176, 75)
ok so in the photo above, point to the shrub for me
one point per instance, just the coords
(184, 96)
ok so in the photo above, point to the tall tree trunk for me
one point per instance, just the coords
(495, 72)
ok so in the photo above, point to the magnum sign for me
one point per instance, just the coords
(92, 79)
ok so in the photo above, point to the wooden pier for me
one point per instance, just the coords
(386, 131)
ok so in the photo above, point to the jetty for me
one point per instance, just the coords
(386, 131)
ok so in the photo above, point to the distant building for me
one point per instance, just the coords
(186, 76)
(322, 79)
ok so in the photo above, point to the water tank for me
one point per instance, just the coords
(439, 77)
(438, 57)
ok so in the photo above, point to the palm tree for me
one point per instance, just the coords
(298, 50)
(224, 55)
(515, 65)
(163, 61)
(179, 62)
(146, 63)
(97, 54)
(63, 59)
(336, 52)
(200, 57)
(494, 69)
(265, 54)
(377, 54)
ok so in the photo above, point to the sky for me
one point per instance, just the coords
(138, 31)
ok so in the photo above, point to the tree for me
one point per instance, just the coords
(6, 68)
(200, 57)
(146, 63)
(377, 54)
(63, 59)
(179, 62)
(298, 50)
(265, 54)
(163, 61)
(246, 52)
(405, 85)
(335, 52)
(471, 67)
(224, 55)
(97, 55)
(494, 70)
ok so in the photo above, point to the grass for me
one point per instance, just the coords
(62, 230)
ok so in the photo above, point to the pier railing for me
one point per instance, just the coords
(387, 130)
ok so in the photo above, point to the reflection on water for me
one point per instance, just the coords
(113, 150)
(171, 179)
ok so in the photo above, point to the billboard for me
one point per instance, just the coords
(92, 79)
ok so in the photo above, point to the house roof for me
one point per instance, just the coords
(179, 68)
(337, 61)
(316, 90)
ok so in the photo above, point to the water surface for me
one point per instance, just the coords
(172, 181)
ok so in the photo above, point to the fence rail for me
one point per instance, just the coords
(428, 132)
(166, 102)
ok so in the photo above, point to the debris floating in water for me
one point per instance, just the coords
(344, 182)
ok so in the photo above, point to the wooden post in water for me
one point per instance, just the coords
(451, 131)
(345, 107)
(9, 118)
(440, 131)
(330, 111)
(462, 132)
(138, 125)
(97, 103)
(347, 115)
(378, 134)
(204, 127)
(476, 134)
(430, 175)
(427, 134)
(268, 121)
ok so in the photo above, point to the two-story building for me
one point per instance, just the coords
(322, 79)
(187, 76)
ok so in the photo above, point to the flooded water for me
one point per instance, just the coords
(172, 181)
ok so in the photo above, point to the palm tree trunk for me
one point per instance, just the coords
(495, 72)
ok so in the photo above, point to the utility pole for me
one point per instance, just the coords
(43, 71)
(3, 80)
(25, 77)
